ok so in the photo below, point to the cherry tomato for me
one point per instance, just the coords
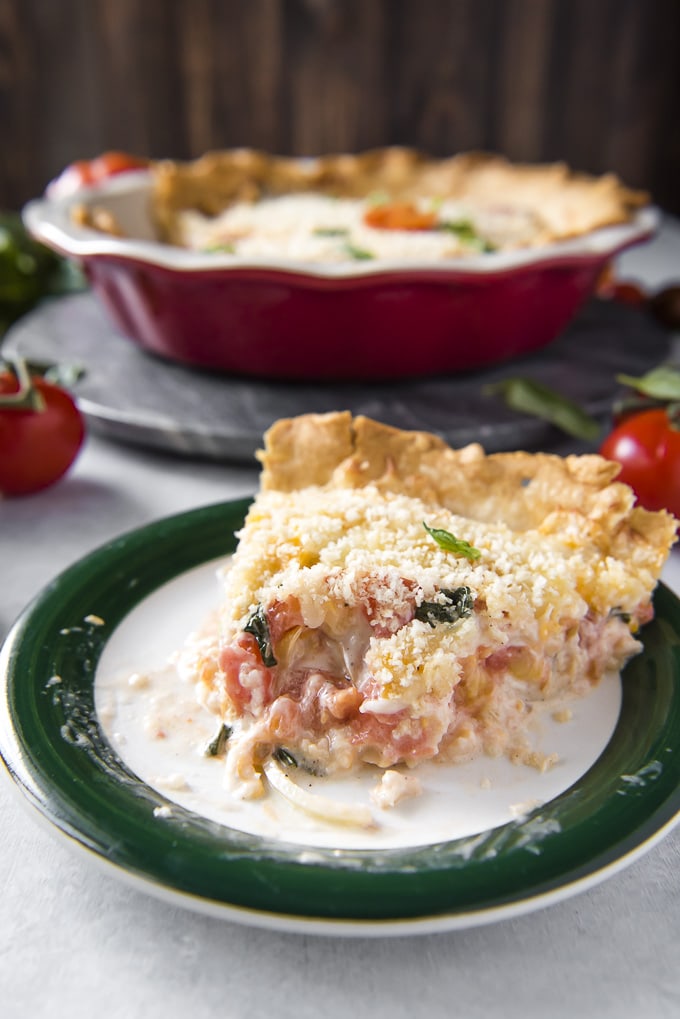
(629, 293)
(665, 306)
(111, 163)
(647, 446)
(399, 216)
(86, 173)
(38, 441)
(608, 286)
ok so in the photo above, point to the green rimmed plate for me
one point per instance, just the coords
(57, 753)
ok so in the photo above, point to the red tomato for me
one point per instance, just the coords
(648, 448)
(665, 306)
(111, 163)
(85, 173)
(624, 291)
(37, 446)
(629, 293)
(399, 216)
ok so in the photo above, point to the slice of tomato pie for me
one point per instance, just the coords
(393, 600)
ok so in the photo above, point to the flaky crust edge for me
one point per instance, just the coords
(218, 179)
(525, 491)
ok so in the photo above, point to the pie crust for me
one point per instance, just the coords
(563, 203)
(522, 490)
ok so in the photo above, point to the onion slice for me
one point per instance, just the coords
(356, 815)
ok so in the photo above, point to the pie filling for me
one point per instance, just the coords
(321, 704)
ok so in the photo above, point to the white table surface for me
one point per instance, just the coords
(76, 942)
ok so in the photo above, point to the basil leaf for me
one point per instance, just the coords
(450, 543)
(217, 746)
(377, 198)
(662, 383)
(462, 228)
(458, 605)
(530, 397)
(257, 626)
(284, 757)
(359, 254)
(220, 249)
(466, 232)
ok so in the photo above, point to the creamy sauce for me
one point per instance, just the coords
(151, 717)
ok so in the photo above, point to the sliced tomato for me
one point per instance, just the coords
(399, 216)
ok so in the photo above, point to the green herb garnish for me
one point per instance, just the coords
(331, 231)
(359, 254)
(466, 232)
(257, 626)
(284, 757)
(530, 397)
(220, 249)
(217, 746)
(377, 198)
(458, 605)
(450, 543)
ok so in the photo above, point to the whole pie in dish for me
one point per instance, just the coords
(391, 203)
(393, 600)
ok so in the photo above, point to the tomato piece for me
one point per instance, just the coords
(77, 175)
(399, 216)
(37, 446)
(648, 448)
(608, 286)
(665, 306)
(628, 293)
(111, 163)
(86, 173)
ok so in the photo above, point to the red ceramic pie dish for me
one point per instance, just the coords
(362, 321)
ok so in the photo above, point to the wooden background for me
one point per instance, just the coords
(593, 82)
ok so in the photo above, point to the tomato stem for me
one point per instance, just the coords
(27, 396)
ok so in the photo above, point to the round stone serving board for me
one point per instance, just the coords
(131, 396)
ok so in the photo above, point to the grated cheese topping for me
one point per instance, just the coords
(324, 547)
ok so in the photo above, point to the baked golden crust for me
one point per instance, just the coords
(564, 203)
(96, 217)
(525, 491)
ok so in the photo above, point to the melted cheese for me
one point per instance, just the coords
(364, 547)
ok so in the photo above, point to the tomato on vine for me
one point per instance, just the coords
(646, 439)
(647, 445)
(41, 432)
